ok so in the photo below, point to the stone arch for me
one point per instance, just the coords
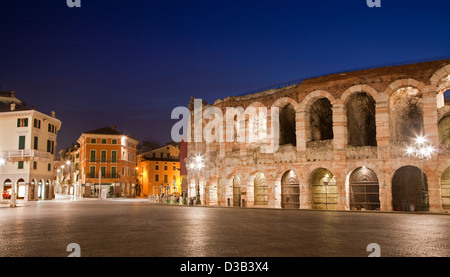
(406, 116)
(364, 189)
(401, 83)
(305, 110)
(260, 187)
(356, 89)
(287, 120)
(445, 189)
(290, 190)
(324, 191)
(361, 119)
(407, 191)
(444, 129)
(32, 189)
(236, 183)
(440, 82)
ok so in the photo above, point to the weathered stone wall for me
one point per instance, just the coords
(373, 121)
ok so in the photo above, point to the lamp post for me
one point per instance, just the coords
(422, 151)
(197, 165)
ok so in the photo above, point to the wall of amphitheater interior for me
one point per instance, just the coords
(342, 144)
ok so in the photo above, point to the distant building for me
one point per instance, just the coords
(159, 171)
(107, 156)
(27, 149)
(67, 169)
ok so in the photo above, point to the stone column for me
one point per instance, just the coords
(339, 130)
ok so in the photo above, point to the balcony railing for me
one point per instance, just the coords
(24, 154)
(105, 176)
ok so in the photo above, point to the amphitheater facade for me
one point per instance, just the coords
(342, 144)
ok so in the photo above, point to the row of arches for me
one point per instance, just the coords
(409, 189)
(35, 190)
(360, 109)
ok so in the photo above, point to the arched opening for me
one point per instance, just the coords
(406, 114)
(21, 188)
(321, 120)
(445, 189)
(361, 120)
(287, 125)
(236, 191)
(7, 189)
(31, 192)
(260, 190)
(408, 191)
(444, 129)
(40, 189)
(47, 189)
(324, 189)
(290, 191)
(364, 190)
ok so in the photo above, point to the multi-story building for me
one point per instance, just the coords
(107, 157)
(27, 149)
(345, 141)
(159, 171)
(67, 169)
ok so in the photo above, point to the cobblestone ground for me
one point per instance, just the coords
(124, 228)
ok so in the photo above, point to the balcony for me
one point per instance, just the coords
(106, 176)
(23, 154)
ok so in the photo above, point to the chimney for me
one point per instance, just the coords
(53, 114)
(13, 106)
(13, 94)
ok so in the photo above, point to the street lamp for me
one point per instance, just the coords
(422, 151)
(197, 165)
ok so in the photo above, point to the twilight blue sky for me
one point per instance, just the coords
(129, 63)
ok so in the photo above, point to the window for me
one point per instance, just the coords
(49, 167)
(114, 172)
(34, 165)
(92, 160)
(128, 156)
(20, 165)
(156, 178)
(114, 156)
(49, 146)
(168, 155)
(53, 147)
(35, 147)
(123, 171)
(165, 167)
(92, 172)
(154, 155)
(174, 177)
(103, 156)
(103, 141)
(174, 168)
(128, 171)
(133, 172)
(103, 170)
(37, 123)
(21, 142)
(114, 141)
(93, 140)
(166, 179)
(156, 167)
(22, 122)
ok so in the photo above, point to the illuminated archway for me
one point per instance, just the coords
(445, 189)
(324, 189)
(407, 191)
(364, 189)
(260, 190)
(290, 191)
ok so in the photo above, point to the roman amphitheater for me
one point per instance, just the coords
(342, 144)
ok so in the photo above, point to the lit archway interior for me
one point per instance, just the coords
(364, 190)
(236, 191)
(406, 114)
(290, 191)
(324, 190)
(260, 189)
